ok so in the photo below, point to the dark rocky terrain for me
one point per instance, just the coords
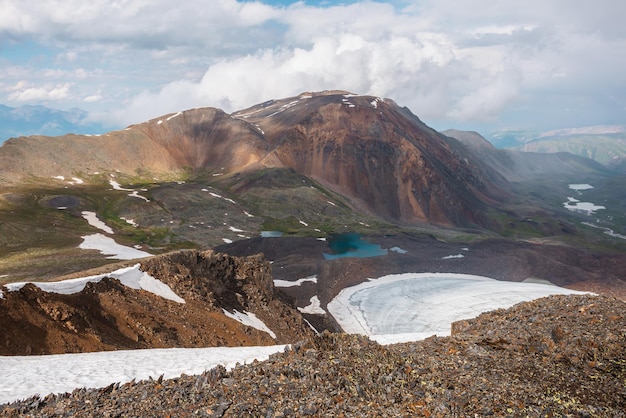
(557, 356)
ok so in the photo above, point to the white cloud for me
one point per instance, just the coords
(93, 98)
(446, 60)
(41, 93)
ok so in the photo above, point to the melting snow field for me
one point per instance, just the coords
(25, 376)
(107, 246)
(414, 306)
(576, 205)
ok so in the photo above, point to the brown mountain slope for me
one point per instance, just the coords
(379, 156)
(108, 315)
(196, 139)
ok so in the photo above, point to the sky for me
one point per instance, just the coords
(475, 64)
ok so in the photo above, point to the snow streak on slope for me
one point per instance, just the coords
(107, 246)
(249, 319)
(288, 283)
(25, 376)
(132, 277)
(413, 306)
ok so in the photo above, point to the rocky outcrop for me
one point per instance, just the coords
(558, 356)
(108, 315)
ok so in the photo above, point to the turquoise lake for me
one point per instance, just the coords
(352, 245)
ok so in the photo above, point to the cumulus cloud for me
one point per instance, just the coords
(448, 61)
(40, 93)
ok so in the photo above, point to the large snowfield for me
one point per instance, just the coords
(25, 376)
(394, 308)
(414, 306)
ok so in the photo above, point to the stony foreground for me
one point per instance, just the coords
(557, 356)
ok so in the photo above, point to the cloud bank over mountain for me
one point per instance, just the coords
(472, 65)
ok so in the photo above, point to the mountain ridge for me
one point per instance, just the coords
(376, 153)
(110, 315)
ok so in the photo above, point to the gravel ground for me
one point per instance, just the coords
(557, 356)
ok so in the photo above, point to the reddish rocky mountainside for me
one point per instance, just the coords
(377, 155)
(108, 315)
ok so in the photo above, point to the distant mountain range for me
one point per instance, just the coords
(605, 144)
(41, 120)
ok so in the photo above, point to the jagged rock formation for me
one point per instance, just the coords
(548, 357)
(107, 315)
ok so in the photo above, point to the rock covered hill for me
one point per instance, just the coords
(191, 299)
(548, 357)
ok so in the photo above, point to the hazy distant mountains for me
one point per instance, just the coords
(41, 120)
(605, 144)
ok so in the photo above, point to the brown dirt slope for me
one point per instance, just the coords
(109, 316)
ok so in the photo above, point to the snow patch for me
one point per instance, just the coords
(398, 250)
(26, 376)
(129, 221)
(227, 241)
(249, 319)
(173, 116)
(580, 186)
(449, 257)
(137, 195)
(131, 277)
(107, 246)
(117, 186)
(313, 308)
(576, 205)
(93, 220)
(288, 283)
(607, 231)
